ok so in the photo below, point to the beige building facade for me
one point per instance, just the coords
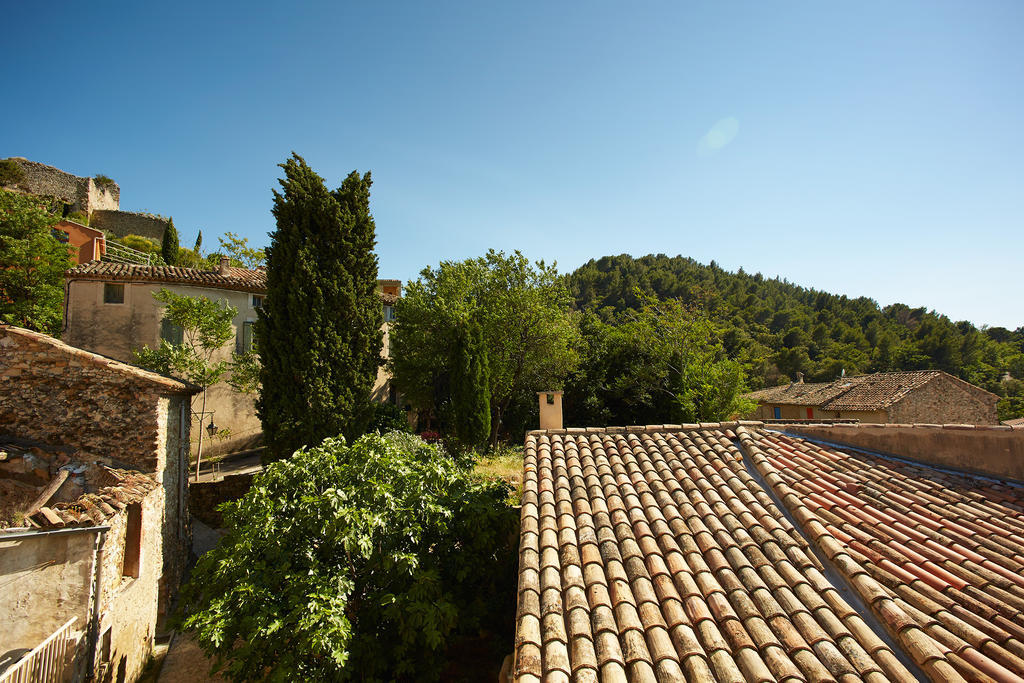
(110, 309)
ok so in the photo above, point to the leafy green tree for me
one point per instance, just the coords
(353, 563)
(205, 327)
(32, 265)
(241, 254)
(471, 402)
(527, 330)
(198, 248)
(169, 246)
(318, 335)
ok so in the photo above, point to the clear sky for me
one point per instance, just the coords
(868, 148)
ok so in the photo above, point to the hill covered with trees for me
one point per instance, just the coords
(775, 329)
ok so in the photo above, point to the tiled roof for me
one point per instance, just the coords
(94, 509)
(858, 392)
(240, 279)
(1016, 422)
(169, 384)
(658, 554)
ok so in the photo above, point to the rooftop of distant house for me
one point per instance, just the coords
(226, 277)
(731, 552)
(856, 392)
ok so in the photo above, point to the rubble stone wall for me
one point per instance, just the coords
(123, 223)
(83, 194)
(65, 401)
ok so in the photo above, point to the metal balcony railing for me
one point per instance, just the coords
(50, 661)
(119, 253)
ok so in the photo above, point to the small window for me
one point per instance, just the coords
(551, 399)
(133, 542)
(777, 412)
(257, 301)
(59, 235)
(171, 333)
(113, 293)
(389, 313)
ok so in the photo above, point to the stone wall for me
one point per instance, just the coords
(83, 194)
(67, 401)
(123, 223)
(992, 450)
(946, 400)
(204, 497)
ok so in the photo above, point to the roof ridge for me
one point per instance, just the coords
(135, 372)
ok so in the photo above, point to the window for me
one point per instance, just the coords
(389, 313)
(171, 333)
(777, 412)
(133, 542)
(243, 341)
(59, 235)
(257, 301)
(113, 293)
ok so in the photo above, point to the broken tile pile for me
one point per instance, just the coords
(660, 554)
(91, 509)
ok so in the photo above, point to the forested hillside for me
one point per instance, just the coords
(775, 329)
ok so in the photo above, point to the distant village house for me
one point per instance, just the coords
(922, 396)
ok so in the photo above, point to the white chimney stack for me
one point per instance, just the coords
(550, 409)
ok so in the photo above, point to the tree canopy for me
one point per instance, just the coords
(353, 563)
(318, 333)
(32, 265)
(775, 329)
(526, 329)
(169, 245)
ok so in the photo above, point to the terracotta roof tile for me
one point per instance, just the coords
(238, 279)
(94, 509)
(669, 560)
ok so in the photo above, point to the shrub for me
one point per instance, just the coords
(140, 243)
(353, 562)
(79, 217)
(11, 173)
(106, 182)
(387, 417)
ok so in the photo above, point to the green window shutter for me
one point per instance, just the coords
(246, 336)
(171, 333)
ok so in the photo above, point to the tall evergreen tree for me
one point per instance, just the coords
(318, 333)
(471, 396)
(199, 244)
(169, 246)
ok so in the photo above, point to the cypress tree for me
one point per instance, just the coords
(169, 246)
(318, 332)
(471, 399)
(199, 244)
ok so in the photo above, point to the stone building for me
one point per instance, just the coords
(99, 452)
(922, 396)
(98, 198)
(110, 310)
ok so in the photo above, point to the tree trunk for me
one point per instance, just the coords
(199, 449)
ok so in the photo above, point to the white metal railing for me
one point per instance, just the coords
(119, 253)
(48, 662)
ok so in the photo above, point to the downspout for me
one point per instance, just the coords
(67, 302)
(94, 622)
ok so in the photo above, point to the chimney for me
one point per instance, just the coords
(225, 263)
(550, 409)
(799, 378)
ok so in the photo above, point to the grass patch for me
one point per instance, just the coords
(505, 464)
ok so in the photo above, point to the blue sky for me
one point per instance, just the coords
(871, 149)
